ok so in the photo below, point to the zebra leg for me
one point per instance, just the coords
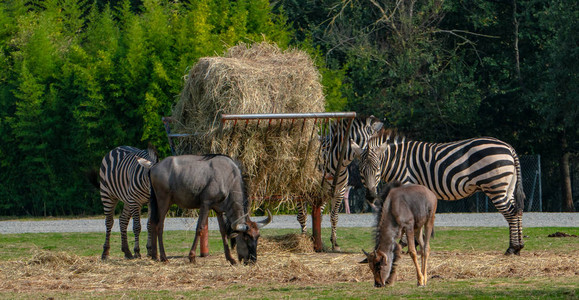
(124, 224)
(136, 213)
(302, 215)
(515, 220)
(334, 219)
(516, 235)
(109, 221)
(109, 204)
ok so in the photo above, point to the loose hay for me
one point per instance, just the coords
(279, 158)
(295, 243)
(47, 271)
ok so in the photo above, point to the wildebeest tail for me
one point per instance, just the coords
(153, 206)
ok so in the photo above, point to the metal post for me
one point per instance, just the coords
(166, 121)
(204, 237)
(540, 189)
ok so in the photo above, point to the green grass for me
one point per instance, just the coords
(14, 246)
(352, 240)
(532, 288)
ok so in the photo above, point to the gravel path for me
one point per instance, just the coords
(289, 221)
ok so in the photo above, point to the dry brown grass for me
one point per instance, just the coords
(279, 158)
(281, 260)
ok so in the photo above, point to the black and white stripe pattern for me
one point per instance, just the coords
(452, 171)
(331, 144)
(123, 178)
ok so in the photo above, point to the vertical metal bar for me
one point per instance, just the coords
(168, 131)
(219, 134)
(540, 188)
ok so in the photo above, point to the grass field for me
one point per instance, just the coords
(465, 263)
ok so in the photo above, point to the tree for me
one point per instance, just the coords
(555, 75)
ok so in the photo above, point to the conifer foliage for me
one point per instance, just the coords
(81, 77)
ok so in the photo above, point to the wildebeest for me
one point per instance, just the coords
(206, 182)
(404, 208)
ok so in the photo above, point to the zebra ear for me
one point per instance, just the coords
(144, 162)
(383, 147)
(375, 123)
(357, 150)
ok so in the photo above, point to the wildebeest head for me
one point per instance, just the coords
(245, 236)
(380, 265)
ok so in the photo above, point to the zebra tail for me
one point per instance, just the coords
(519, 192)
(93, 177)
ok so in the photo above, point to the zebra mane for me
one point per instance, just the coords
(387, 135)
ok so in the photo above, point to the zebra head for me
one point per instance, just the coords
(371, 158)
(361, 130)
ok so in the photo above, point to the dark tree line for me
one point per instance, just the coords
(82, 77)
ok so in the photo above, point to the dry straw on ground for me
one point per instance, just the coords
(279, 157)
(278, 263)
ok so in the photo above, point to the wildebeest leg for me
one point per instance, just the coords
(136, 213)
(124, 223)
(149, 234)
(412, 252)
(158, 231)
(223, 231)
(109, 221)
(426, 247)
(419, 239)
(201, 221)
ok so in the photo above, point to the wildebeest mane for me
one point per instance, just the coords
(383, 207)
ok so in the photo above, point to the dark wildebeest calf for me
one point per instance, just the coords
(408, 209)
(206, 182)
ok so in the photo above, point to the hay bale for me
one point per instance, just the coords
(279, 158)
(293, 243)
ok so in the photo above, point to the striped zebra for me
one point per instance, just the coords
(360, 131)
(123, 178)
(451, 170)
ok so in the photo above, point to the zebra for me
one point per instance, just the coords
(361, 129)
(123, 178)
(451, 170)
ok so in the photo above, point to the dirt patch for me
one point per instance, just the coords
(47, 271)
(561, 234)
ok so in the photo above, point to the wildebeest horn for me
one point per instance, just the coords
(241, 227)
(262, 223)
(365, 260)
